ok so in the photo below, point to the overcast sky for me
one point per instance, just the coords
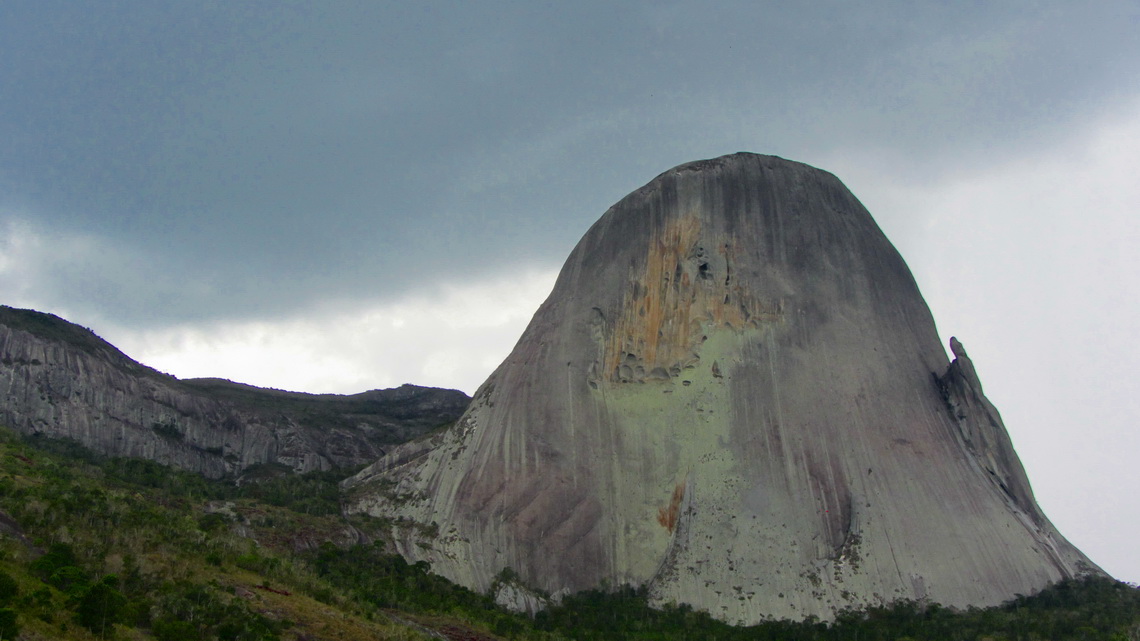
(341, 196)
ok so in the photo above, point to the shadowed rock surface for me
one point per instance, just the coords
(736, 395)
(60, 380)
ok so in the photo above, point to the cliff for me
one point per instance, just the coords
(736, 396)
(62, 381)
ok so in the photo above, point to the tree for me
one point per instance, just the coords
(8, 627)
(59, 555)
(102, 606)
(9, 589)
(174, 630)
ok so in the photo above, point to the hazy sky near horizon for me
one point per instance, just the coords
(342, 196)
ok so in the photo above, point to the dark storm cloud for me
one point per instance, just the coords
(245, 158)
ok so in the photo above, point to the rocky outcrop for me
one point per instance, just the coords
(736, 396)
(983, 432)
(62, 381)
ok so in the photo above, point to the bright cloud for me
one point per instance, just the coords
(453, 337)
(33, 259)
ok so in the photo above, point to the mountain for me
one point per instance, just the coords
(736, 398)
(60, 380)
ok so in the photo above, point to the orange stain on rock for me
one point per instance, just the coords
(667, 516)
(685, 289)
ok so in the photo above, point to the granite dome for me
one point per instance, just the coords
(736, 396)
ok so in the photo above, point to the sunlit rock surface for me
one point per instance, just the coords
(736, 395)
(62, 381)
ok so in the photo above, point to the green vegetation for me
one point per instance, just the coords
(315, 493)
(327, 411)
(168, 430)
(53, 328)
(105, 548)
(1086, 609)
(98, 548)
(1082, 609)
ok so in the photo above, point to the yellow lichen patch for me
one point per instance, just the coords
(684, 291)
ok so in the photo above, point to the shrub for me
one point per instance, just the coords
(174, 630)
(58, 556)
(8, 627)
(101, 606)
(212, 521)
(9, 589)
(167, 430)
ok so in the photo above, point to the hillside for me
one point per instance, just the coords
(61, 380)
(94, 547)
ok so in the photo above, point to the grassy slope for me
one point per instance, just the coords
(171, 559)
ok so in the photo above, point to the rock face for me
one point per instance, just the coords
(62, 381)
(736, 396)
